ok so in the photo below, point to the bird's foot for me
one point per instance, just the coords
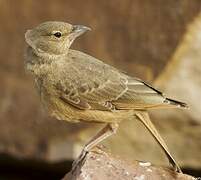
(80, 160)
(175, 166)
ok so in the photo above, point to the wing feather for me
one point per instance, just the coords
(95, 85)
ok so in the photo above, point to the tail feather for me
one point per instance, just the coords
(175, 103)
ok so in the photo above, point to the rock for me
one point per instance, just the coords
(99, 165)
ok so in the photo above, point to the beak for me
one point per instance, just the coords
(78, 30)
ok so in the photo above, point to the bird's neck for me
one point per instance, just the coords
(38, 63)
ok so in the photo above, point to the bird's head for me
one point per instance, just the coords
(53, 38)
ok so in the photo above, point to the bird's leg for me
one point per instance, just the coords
(107, 131)
(144, 118)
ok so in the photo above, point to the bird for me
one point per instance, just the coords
(76, 87)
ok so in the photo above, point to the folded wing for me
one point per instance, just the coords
(95, 85)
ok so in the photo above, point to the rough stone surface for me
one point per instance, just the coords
(99, 165)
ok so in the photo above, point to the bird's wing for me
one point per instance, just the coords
(139, 95)
(91, 84)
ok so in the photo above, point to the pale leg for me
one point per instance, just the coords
(144, 118)
(107, 131)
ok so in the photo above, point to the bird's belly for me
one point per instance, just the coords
(67, 112)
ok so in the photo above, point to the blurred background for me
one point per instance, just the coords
(158, 41)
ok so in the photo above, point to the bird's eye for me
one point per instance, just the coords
(57, 34)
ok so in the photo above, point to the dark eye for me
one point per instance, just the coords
(57, 34)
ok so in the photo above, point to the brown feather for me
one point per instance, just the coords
(95, 84)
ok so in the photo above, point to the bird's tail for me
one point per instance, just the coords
(175, 103)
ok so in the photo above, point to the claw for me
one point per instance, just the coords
(174, 164)
(80, 160)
